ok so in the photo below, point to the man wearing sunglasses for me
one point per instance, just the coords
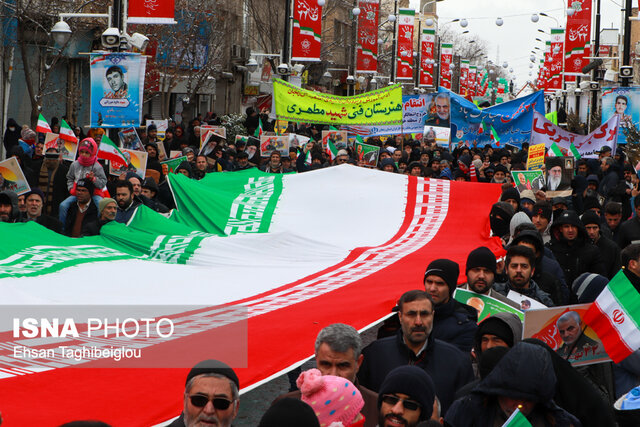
(406, 397)
(210, 396)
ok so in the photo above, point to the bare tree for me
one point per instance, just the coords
(195, 51)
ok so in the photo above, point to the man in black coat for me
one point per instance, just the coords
(414, 344)
(571, 247)
(453, 322)
(630, 229)
(609, 250)
(83, 212)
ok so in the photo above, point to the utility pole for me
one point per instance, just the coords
(626, 54)
(394, 47)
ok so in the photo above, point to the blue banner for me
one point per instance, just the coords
(117, 82)
(416, 111)
(512, 120)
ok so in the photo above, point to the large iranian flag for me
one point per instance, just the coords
(296, 252)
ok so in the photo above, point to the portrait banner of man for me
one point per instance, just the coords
(12, 178)
(528, 180)
(117, 82)
(625, 103)
(564, 331)
(439, 111)
(136, 162)
(486, 305)
(559, 173)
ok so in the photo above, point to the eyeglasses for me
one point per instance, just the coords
(200, 401)
(392, 400)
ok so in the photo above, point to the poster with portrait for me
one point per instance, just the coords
(564, 331)
(559, 173)
(161, 127)
(51, 141)
(528, 180)
(484, 304)
(337, 137)
(441, 136)
(68, 149)
(367, 155)
(117, 82)
(625, 102)
(12, 178)
(252, 147)
(136, 162)
(268, 144)
(130, 140)
(205, 129)
(169, 166)
(298, 141)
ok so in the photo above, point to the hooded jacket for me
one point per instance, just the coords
(512, 321)
(533, 291)
(577, 256)
(11, 137)
(13, 198)
(525, 372)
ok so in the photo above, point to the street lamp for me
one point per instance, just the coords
(252, 65)
(499, 22)
(61, 32)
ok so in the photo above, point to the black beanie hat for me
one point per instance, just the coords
(446, 269)
(500, 168)
(590, 203)
(543, 209)
(415, 383)
(590, 217)
(497, 327)
(510, 193)
(481, 257)
(212, 366)
(86, 183)
(289, 412)
(588, 286)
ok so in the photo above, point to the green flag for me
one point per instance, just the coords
(574, 151)
(332, 151)
(555, 151)
(517, 419)
(258, 132)
(494, 136)
(552, 117)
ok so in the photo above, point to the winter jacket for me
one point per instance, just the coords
(533, 291)
(577, 256)
(77, 172)
(448, 367)
(629, 232)
(525, 372)
(124, 215)
(509, 319)
(610, 254)
(91, 215)
(455, 323)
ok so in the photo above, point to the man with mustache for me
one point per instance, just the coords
(406, 397)
(519, 265)
(453, 322)
(481, 274)
(414, 344)
(210, 396)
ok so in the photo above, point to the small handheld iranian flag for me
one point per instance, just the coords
(517, 419)
(554, 151)
(574, 151)
(481, 128)
(494, 136)
(258, 132)
(307, 158)
(66, 133)
(109, 151)
(615, 317)
(332, 151)
(42, 126)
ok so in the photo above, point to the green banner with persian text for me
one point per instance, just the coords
(379, 107)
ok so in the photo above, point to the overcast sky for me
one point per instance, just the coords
(516, 37)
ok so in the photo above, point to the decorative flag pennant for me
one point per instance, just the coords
(307, 158)
(42, 126)
(108, 150)
(615, 316)
(66, 133)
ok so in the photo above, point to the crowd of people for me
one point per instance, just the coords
(433, 362)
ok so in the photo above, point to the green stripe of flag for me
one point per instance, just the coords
(627, 296)
(555, 150)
